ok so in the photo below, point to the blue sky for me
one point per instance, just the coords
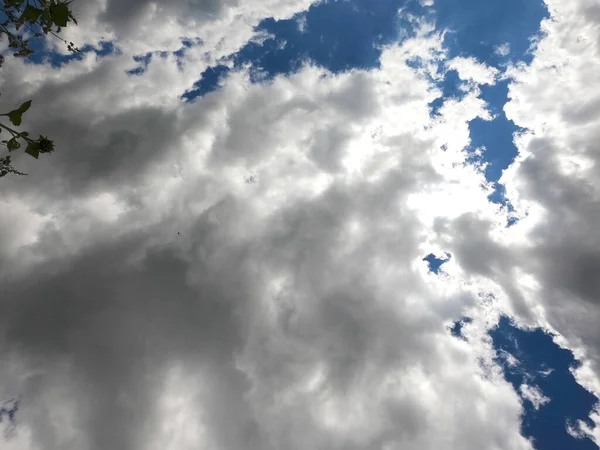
(294, 225)
(539, 362)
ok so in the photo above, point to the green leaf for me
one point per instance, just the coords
(25, 106)
(31, 14)
(46, 19)
(60, 14)
(15, 116)
(33, 149)
(13, 145)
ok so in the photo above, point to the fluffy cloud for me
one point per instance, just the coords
(246, 271)
(556, 177)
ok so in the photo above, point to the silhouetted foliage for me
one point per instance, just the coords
(20, 20)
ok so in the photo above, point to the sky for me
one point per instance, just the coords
(297, 224)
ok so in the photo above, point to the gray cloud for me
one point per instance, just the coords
(558, 178)
(146, 305)
(117, 334)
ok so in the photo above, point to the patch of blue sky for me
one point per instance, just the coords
(186, 44)
(342, 35)
(532, 362)
(144, 60)
(494, 32)
(479, 28)
(43, 54)
(209, 82)
(336, 35)
(496, 137)
(457, 328)
(451, 88)
(435, 263)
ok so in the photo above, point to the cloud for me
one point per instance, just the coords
(471, 70)
(556, 176)
(154, 298)
(534, 395)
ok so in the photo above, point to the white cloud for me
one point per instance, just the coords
(162, 299)
(534, 395)
(470, 69)
(557, 173)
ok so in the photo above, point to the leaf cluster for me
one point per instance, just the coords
(33, 146)
(36, 18)
(6, 167)
(39, 17)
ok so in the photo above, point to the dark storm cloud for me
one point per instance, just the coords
(569, 256)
